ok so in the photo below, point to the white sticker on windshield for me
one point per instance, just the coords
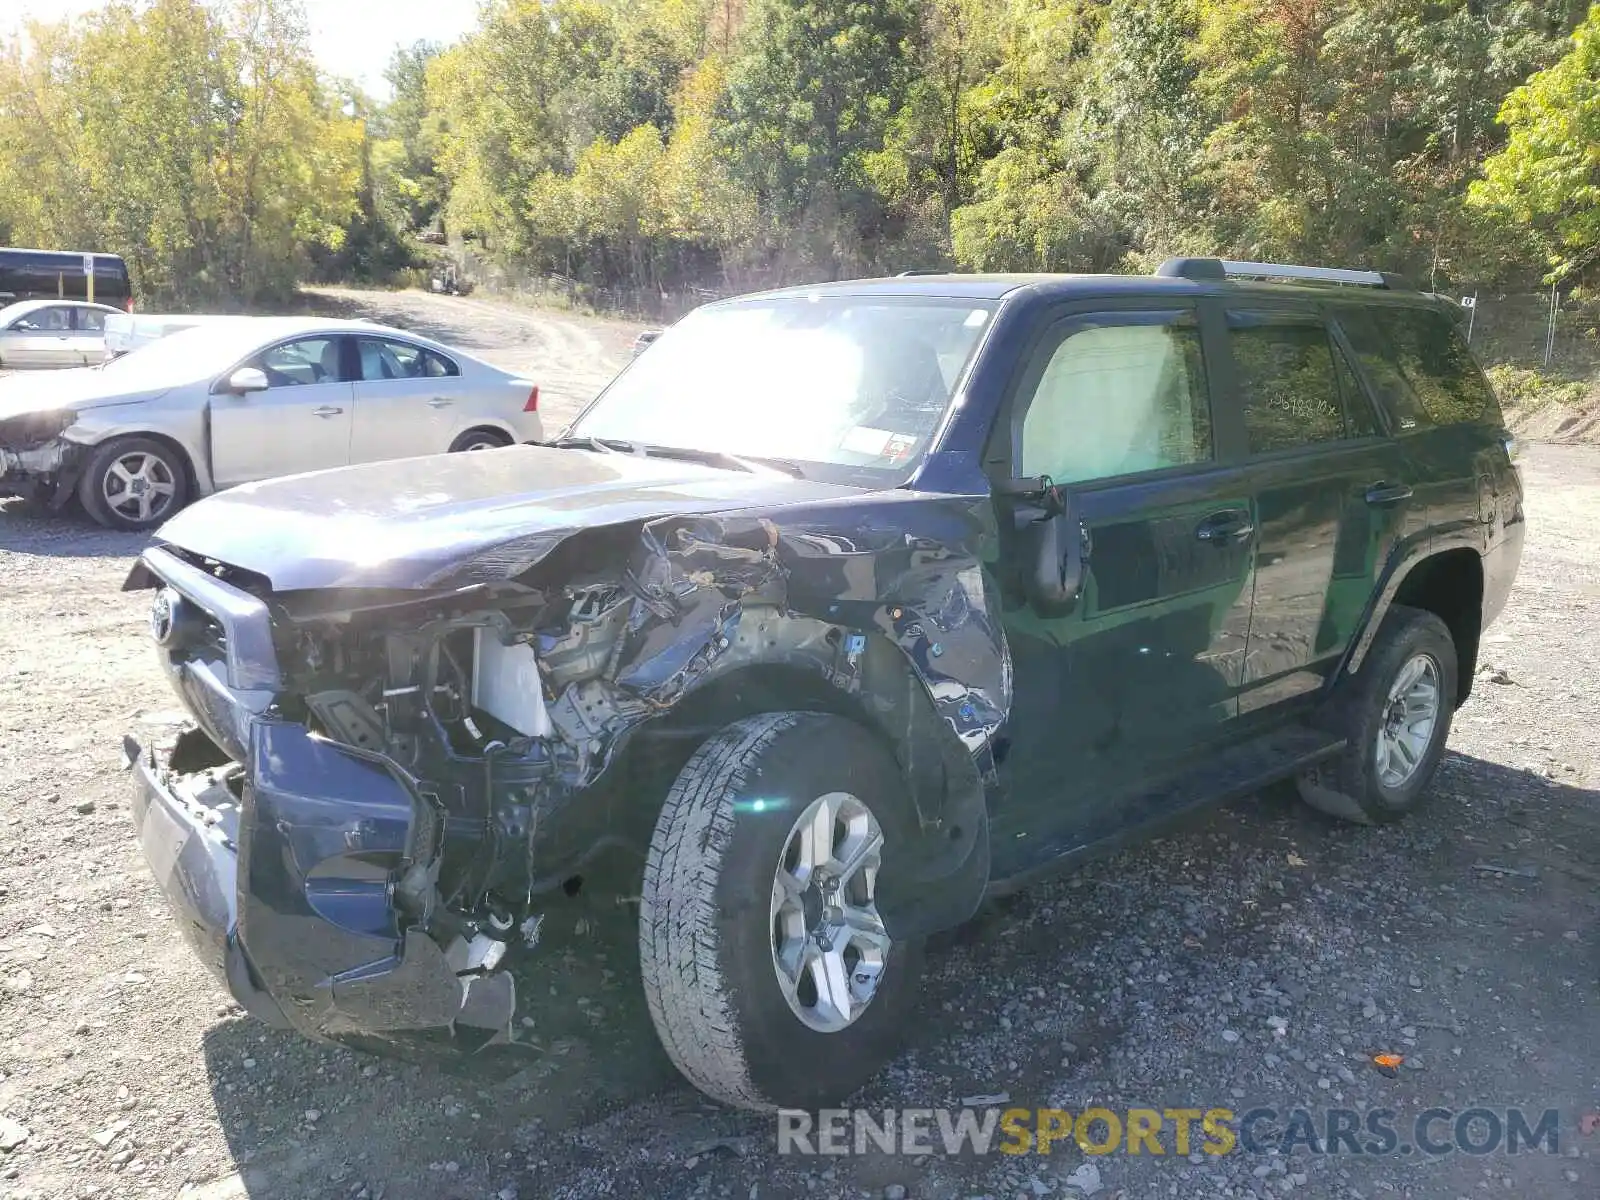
(863, 439)
(976, 317)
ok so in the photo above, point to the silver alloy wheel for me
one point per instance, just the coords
(829, 946)
(485, 444)
(1408, 721)
(139, 486)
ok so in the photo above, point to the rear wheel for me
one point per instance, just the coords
(1396, 717)
(771, 978)
(133, 484)
(479, 439)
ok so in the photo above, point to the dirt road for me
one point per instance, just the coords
(1258, 958)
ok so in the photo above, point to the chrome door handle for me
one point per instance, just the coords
(326, 411)
(440, 402)
(1224, 527)
(1386, 493)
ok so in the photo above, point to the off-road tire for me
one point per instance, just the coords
(91, 493)
(705, 929)
(1348, 786)
(479, 439)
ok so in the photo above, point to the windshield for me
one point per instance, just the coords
(838, 381)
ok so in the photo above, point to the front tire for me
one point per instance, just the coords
(770, 978)
(1396, 719)
(133, 484)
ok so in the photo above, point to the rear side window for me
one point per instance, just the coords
(1288, 384)
(382, 359)
(1119, 395)
(1420, 365)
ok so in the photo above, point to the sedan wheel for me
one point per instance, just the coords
(139, 487)
(133, 484)
(479, 439)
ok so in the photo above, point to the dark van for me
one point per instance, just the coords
(63, 275)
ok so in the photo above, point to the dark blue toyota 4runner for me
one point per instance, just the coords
(840, 609)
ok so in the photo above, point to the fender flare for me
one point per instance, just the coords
(1403, 560)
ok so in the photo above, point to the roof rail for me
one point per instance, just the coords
(906, 274)
(1217, 270)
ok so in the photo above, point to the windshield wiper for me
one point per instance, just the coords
(711, 458)
(756, 465)
(600, 445)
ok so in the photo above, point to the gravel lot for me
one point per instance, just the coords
(1259, 957)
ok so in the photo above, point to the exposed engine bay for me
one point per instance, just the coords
(513, 729)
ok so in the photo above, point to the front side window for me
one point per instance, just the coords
(1117, 399)
(301, 362)
(45, 320)
(1288, 385)
(855, 385)
(384, 359)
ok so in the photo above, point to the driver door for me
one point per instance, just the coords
(43, 338)
(1142, 673)
(301, 422)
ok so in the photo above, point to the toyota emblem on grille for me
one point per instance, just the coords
(163, 617)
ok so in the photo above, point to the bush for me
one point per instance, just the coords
(1524, 390)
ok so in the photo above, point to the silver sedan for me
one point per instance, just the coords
(244, 399)
(53, 333)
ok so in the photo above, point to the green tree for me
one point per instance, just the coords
(196, 140)
(1547, 177)
(810, 98)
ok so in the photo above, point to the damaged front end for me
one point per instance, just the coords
(388, 789)
(36, 461)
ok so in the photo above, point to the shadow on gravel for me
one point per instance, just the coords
(28, 528)
(1060, 979)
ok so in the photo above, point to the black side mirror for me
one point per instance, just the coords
(1052, 542)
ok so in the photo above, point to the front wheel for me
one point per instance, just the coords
(133, 484)
(771, 978)
(1396, 718)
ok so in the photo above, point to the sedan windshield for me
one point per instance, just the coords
(189, 354)
(851, 382)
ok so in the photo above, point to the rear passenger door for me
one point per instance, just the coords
(406, 398)
(1331, 495)
(88, 336)
(1444, 415)
(1143, 673)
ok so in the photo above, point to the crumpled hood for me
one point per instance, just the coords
(451, 519)
(78, 389)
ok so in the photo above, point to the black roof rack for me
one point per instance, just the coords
(1219, 270)
(907, 274)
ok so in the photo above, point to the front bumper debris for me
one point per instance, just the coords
(47, 473)
(278, 872)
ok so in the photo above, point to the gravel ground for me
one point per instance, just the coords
(1258, 957)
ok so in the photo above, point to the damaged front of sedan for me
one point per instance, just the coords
(56, 427)
(735, 633)
(39, 459)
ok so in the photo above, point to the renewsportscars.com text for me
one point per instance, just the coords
(1168, 1131)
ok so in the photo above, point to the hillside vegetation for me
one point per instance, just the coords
(646, 145)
